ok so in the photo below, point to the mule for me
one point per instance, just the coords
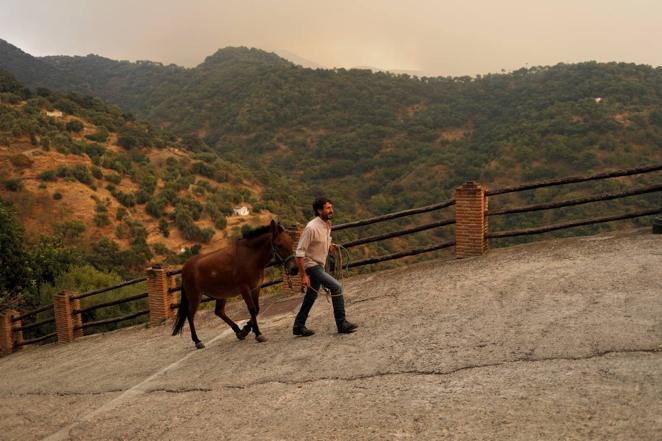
(224, 273)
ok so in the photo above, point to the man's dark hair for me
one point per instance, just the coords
(318, 204)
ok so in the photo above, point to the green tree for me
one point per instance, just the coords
(15, 263)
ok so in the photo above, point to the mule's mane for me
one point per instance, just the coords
(255, 232)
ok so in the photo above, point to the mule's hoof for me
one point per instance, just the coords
(260, 338)
(199, 345)
(240, 335)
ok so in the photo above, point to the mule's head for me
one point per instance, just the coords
(284, 248)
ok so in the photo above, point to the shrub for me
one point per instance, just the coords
(189, 230)
(141, 197)
(94, 150)
(221, 222)
(82, 174)
(21, 161)
(70, 230)
(121, 213)
(132, 137)
(74, 126)
(200, 168)
(137, 231)
(122, 231)
(62, 142)
(164, 228)
(48, 175)
(96, 172)
(14, 185)
(101, 219)
(161, 249)
(101, 135)
(115, 179)
(155, 208)
(126, 199)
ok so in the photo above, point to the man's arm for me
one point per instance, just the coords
(305, 280)
(300, 253)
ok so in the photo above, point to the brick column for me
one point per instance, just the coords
(158, 299)
(470, 220)
(77, 318)
(6, 337)
(17, 334)
(64, 320)
(288, 280)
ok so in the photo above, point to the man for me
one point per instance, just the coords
(312, 250)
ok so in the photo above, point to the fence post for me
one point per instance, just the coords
(157, 295)
(470, 220)
(17, 333)
(77, 318)
(64, 319)
(6, 333)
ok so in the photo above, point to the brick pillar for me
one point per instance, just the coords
(64, 320)
(77, 318)
(6, 336)
(288, 280)
(17, 334)
(158, 298)
(470, 220)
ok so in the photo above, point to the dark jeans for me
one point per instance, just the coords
(319, 277)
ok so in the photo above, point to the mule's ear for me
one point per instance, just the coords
(274, 228)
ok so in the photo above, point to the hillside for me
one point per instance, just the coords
(378, 142)
(76, 168)
(560, 339)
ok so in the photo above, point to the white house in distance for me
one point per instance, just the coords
(241, 211)
(54, 113)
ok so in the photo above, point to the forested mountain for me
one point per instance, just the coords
(378, 142)
(86, 188)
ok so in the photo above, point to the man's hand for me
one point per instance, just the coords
(305, 281)
(333, 248)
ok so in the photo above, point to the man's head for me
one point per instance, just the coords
(323, 208)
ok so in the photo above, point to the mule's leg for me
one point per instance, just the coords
(253, 310)
(194, 302)
(220, 311)
(246, 329)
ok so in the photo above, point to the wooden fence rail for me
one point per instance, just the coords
(111, 303)
(109, 288)
(33, 312)
(471, 235)
(576, 179)
(573, 224)
(578, 201)
(390, 216)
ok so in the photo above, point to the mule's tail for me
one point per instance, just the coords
(182, 314)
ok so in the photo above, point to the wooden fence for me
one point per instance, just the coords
(471, 239)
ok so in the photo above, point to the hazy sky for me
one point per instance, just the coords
(434, 37)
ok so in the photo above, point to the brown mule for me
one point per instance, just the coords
(236, 269)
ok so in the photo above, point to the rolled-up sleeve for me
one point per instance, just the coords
(304, 241)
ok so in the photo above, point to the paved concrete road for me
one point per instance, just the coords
(553, 340)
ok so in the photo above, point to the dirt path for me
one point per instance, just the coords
(553, 340)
